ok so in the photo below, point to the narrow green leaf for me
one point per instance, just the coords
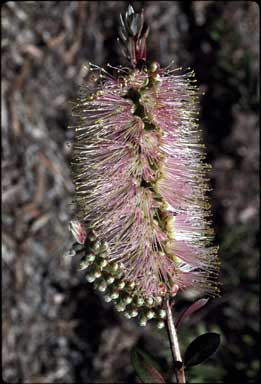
(145, 367)
(201, 349)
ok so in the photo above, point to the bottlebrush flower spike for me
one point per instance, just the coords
(141, 183)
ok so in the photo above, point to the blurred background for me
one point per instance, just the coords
(56, 328)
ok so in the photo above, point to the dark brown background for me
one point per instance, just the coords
(56, 329)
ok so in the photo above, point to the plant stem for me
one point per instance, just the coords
(174, 346)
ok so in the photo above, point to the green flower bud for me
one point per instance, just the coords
(90, 278)
(160, 324)
(162, 313)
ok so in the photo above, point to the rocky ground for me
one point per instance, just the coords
(56, 329)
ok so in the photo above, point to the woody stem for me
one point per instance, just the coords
(174, 346)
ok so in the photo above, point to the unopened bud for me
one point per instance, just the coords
(160, 324)
(143, 322)
(90, 278)
(162, 314)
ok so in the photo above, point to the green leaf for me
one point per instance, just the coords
(145, 367)
(201, 349)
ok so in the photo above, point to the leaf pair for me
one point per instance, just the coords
(203, 347)
(133, 34)
(132, 23)
(198, 351)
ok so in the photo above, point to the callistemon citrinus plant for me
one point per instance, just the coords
(142, 215)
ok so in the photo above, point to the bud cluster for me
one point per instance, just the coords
(108, 279)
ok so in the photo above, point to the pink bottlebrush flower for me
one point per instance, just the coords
(141, 182)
